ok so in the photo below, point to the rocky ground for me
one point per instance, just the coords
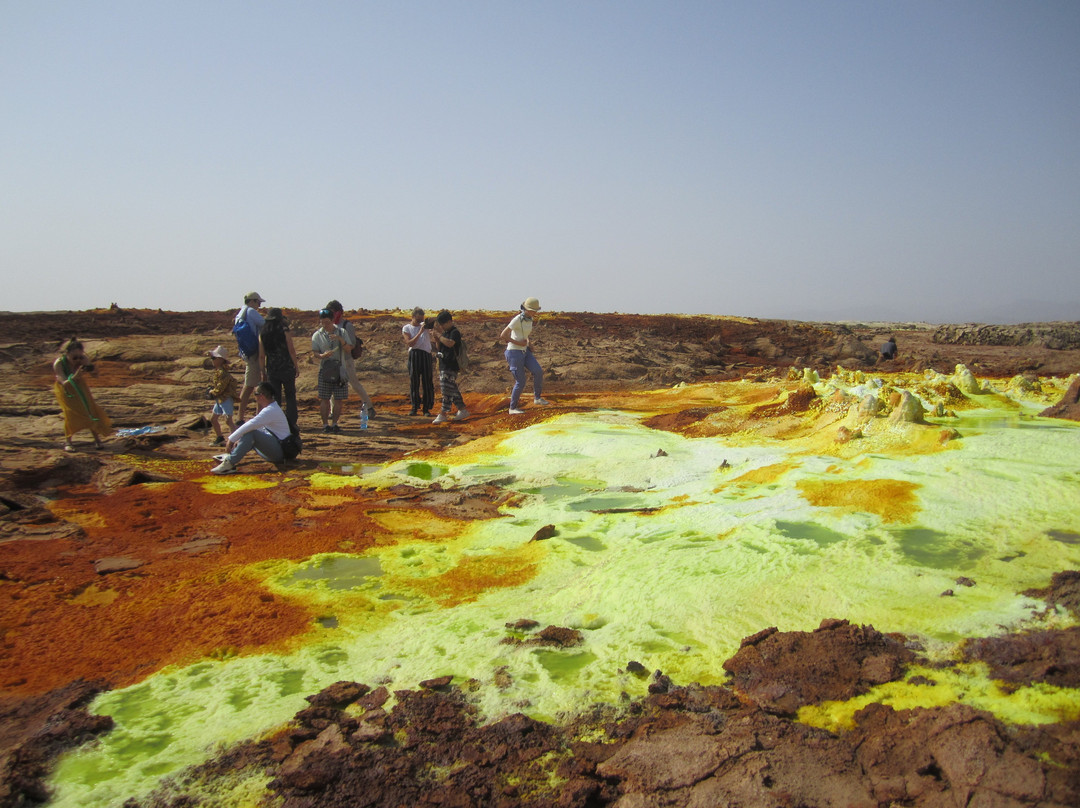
(684, 745)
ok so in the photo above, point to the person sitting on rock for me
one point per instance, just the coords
(888, 348)
(263, 433)
(73, 395)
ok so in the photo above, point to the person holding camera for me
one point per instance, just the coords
(520, 357)
(329, 344)
(417, 336)
(73, 394)
(222, 392)
(351, 354)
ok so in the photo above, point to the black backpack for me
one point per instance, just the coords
(291, 446)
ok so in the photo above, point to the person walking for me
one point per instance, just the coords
(329, 344)
(252, 373)
(520, 357)
(348, 367)
(263, 433)
(277, 358)
(417, 335)
(449, 340)
(73, 395)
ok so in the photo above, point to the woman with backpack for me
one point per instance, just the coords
(354, 351)
(520, 357)
(277, 358)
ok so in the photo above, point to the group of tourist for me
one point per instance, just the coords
(271, 369)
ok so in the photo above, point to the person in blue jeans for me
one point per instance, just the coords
(263, 433)
(520, 356)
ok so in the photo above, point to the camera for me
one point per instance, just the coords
(429, 323)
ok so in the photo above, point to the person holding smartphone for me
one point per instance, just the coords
(417, 336)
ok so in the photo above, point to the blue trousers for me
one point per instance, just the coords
(264, 442)
(519, 362)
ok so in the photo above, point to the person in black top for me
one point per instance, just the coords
(448, 338)
(277, 358)
(888, 348)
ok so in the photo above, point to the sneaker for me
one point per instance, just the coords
(441, 418)
(427, 413)
(370, 413)
(414, 411)
(225, 467)
(516, 411)
(461, 415)
(327, 428)
(220, 457)
(541, 402)
(220, 441)
(335, 429)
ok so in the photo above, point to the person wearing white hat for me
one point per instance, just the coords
(519, 354)
(222, 391)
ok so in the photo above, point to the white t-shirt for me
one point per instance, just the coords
(520, 328)
(271, 418)
(422, 344)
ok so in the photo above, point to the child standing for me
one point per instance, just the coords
(223, 390)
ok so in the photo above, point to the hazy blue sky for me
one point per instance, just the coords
(816, 160)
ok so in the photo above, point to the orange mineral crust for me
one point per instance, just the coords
(160, 575)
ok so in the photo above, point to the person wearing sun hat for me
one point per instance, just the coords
(520, 356)
(222, 391)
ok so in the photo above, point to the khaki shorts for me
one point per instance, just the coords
(252, 372)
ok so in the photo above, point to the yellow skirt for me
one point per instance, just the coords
(81, 412)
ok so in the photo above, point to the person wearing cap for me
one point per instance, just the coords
(417, 335)
(520, 357)
(277, 359)
(329, 344)
(252, 372)
(222, 390)
(348, 366)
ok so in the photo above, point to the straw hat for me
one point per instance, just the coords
(532, 304)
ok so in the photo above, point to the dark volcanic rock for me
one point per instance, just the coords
(33, 731)
(1064, 591)
(783, 671)
(1051, 656)
(1069, 406)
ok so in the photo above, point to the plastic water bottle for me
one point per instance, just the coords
(363, 418)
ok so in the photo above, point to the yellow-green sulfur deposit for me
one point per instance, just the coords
(665, 549)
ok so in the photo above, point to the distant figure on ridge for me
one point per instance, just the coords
(73, 394)
(248, 345)
(417, 335)
(356, 349)
(520, 357)
(329, 344)
(449, 343)
(277, 359)
(888, 348)
(263, 433)
(222, 392)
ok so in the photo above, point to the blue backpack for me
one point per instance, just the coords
(247, 339)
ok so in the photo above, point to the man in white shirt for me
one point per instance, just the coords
(263, 433)
(417, 335)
